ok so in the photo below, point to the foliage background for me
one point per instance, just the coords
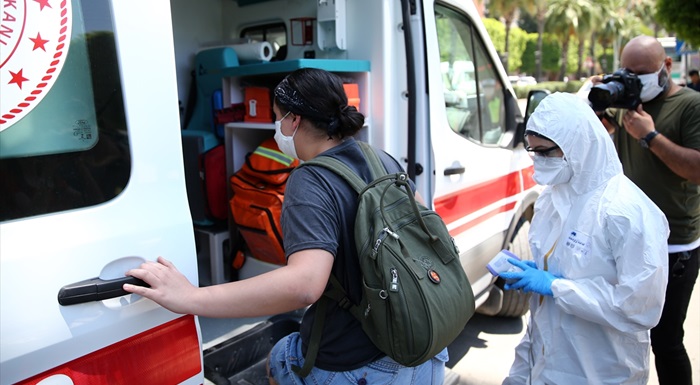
(582, 37)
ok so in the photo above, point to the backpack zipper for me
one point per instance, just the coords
(394, 280)
(382, 235)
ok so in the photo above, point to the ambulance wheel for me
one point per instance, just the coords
(515, 302)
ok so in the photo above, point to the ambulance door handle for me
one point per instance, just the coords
(95, 289)
(454, 171)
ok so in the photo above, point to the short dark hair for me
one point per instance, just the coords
(693, 73)
(537, 134)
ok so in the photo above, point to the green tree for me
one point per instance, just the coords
(508, 10)
(597, 33)
(518, 42)
(628, 23)
(527, 22)
(572, 61)
(563, 19)
(644, 10)
(551, 52)
(538, 9)
(682, 17)
(584, 30)
(611, 22)
(497, 33)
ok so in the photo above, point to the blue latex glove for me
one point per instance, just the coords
(530, 279)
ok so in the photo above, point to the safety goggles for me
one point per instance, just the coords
(546, 152)
(538, 151)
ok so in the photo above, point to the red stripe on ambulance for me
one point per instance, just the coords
(470, 224)
(167, 354)
(528, 182)
(454, 206)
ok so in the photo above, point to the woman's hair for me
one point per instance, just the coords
(537, 134)
(319, 97)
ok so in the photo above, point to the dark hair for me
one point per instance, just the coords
(693, 72)
(537, 134)
(319, 97)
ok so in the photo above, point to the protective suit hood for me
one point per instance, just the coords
(573, 126)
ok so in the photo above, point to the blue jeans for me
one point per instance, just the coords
(384, 371)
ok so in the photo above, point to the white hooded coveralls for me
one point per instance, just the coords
(611, 252)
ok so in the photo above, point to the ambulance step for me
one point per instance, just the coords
(241, 359)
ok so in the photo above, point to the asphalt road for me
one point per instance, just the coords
(490, 345)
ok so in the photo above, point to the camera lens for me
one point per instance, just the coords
(603, 96)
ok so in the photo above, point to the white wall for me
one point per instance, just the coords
(195, 23)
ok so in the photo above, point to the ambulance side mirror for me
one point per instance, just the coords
(534, 98)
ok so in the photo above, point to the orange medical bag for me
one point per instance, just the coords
(256, 205)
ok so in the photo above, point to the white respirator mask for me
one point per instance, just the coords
(285, 143)
(653, 84)
(550, 171)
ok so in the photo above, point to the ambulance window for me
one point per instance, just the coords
(474, 97)
(63, 134)
(275, 34)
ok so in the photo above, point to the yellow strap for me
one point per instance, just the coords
(546, 257)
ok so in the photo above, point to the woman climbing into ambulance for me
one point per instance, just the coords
(313, 118)
(600, 257)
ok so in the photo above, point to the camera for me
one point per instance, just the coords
(619, 90)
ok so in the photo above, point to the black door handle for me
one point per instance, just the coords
(95, 289)
(454, 171)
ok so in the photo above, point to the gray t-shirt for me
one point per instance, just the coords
(319, 213)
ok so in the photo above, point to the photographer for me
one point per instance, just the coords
(658, 141)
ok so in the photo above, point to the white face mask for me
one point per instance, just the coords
(551, 170)
(652, 84)
(285, 143)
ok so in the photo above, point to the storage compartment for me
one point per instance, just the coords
(241, 360)
(353, 93)
(258, 105)
(243, 137)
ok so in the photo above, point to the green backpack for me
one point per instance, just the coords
(416, 298)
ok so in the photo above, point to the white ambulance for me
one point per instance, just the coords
(93, 181)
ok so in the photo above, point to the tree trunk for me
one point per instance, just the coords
(538, 52)
(581, 47)
(506, 50)
(564, 57)
(604, 60)
(591, 71)
(617, 42)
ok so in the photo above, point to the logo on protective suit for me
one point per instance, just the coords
(578, 242)
(34, 41)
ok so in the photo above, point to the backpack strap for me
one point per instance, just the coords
(344, 171)
(375, 163)
(315, 340)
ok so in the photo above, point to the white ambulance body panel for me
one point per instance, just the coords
(150, 217)
(446, 110)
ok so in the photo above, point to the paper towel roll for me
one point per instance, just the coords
(253, 52)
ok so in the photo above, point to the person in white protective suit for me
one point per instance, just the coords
(600, 257)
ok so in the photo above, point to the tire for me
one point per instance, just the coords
(515, 302)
